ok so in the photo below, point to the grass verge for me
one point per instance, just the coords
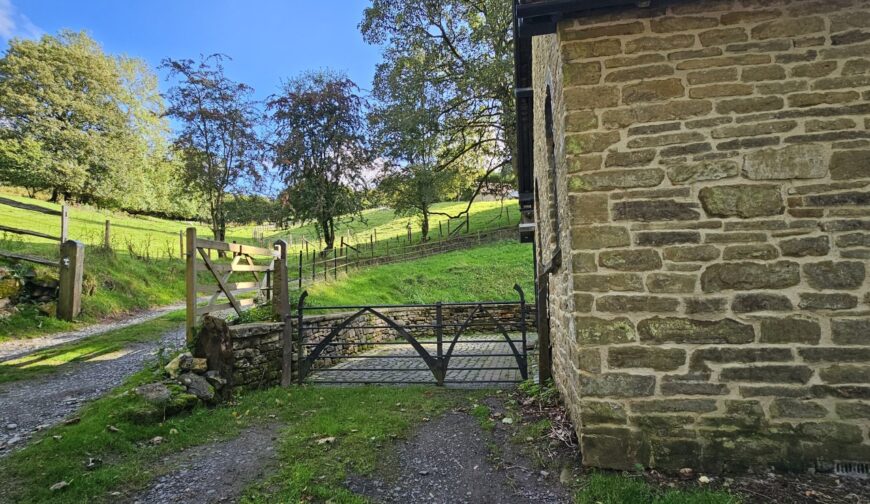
(363, 420)
(101, 346)
(599, 488)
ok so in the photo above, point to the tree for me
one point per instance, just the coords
(414, 189)
(321, 148)
(76, 121)
(218, 141)
(453, 61)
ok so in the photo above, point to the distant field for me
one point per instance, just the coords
(154, 237)
(146, 270)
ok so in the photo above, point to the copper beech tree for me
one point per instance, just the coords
(321, 148)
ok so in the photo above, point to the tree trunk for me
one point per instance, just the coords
(328, 227)
(54, 195)
(424, 227)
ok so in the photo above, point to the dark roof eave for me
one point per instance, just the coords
(540, 18)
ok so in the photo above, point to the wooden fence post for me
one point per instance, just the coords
(107, 235)
(72, 263)
(64, 224)
(300, 270)
(181, 244)
(190, 281)
(280, 294)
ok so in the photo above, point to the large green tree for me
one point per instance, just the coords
(412, 190)
(447, 77)
(321, 148)
(218, 142)
(79, 123)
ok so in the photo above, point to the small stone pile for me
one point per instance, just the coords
(193, 373)
(27, 287)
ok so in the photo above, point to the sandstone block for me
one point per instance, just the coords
(655, 210)
(796, 408)
(608, 180)
(700, 253)
(835, 275)
(591, 97)
(680, 24)
(630, 259)
(703, 171)
(572, 51)
(598, 237)
(846, 165)
(582, 74)
(851, 331)
(634, 304)
(599, 331)
(671, 283)
(750, 276)
(747, 303)
(749, 105)
(653, 91)
(585, 143)
(634, 73)
(659, 359)
(745, 201)
(602, 412)
(759, 251)
(816, 301)
(788, 27)
(791, 330)
(616, 385)
(658, 44)
(699, 358)
(767, 374)
(659, 238)
(683, 330)
(631, 158)
(619, 282)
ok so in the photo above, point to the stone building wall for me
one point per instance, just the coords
(713, 159)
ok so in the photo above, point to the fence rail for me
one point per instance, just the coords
(70, 265)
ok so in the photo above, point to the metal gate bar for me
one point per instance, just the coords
(428, 348)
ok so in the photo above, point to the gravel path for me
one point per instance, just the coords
(215, 472)
(19, 348)
(32, 405)
(452, 460)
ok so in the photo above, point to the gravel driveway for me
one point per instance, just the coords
(31, 405)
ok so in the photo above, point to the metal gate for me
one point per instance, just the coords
(479, 342)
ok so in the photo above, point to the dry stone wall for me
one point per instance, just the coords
(714, 160)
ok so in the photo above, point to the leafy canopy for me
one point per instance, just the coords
(218, 140)
(80, 123)
(446, 78)
(321, 148)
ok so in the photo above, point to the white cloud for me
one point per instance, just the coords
(15, 24)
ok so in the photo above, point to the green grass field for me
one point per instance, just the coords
(159, 238)
(484, 273)
(144, 268)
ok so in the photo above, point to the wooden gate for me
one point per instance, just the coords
(267, 269)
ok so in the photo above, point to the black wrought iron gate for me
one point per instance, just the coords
(478, 342)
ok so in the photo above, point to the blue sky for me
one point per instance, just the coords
(268, 40)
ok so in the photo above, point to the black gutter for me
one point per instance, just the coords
(541, 18)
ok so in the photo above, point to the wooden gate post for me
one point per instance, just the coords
(107, 235)
(280, 294)
(72, 262)
(64, 224)
(190, 282)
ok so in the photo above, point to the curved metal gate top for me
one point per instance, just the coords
(476, 343)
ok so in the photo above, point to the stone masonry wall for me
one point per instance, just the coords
(714, 163)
